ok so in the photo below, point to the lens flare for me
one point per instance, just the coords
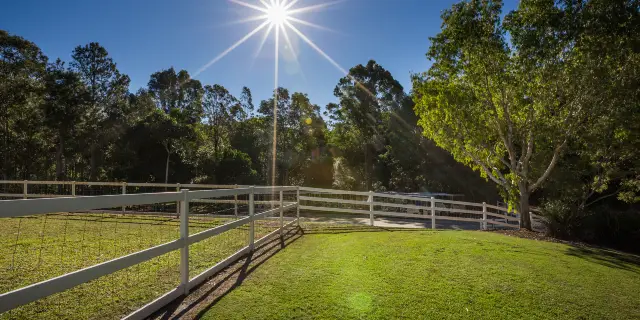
(277, 17)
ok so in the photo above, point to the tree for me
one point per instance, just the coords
(22, 68)
(219, 109)
(510, 109)
(177, 94)
(180, 98)
(63, 108)
(368, 96)
(107, 94)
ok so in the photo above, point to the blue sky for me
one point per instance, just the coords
(145, 36)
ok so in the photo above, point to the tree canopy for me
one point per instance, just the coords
(509, 96)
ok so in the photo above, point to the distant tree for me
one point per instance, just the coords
(177, 94)
(22, 69)
(246, 101)
(219, 109)
(107, 97)
(64, 109)
(367, 96)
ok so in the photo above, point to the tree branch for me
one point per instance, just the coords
(602, 198)
(552, 164)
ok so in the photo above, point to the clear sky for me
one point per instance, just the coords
(145, 36)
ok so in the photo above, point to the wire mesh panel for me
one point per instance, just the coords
(208, 213)
(40, 247)
(266, 200)
(97, 189)
(11, 190)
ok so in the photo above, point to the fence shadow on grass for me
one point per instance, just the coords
(607, 257)
(206, 295)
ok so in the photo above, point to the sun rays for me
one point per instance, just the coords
(277, 16)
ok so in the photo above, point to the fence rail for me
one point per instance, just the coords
(300, 198)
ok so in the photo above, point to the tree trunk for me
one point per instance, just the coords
(59, 159)
(367, 167)
(93, 171)
(5, 151)
(523, 208)
(166, 168)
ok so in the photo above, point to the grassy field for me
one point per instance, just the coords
(34, 249)
(435, 275)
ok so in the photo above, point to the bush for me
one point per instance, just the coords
(605, 225)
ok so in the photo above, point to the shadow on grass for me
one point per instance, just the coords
(206, 295)
(607, 257)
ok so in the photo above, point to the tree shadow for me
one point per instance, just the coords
(207, 294)
(607, 257)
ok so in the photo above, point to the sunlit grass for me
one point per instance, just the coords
(435, 275)
(33, 249)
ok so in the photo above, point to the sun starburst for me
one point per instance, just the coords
(277, 17)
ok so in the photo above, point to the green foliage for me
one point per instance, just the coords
(510, 106)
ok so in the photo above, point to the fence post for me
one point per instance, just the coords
(281, 213)
(184, 237)
(25, 185)
(178, 203)
(298, 205)
(235, 205)
(433, 213)
(124, 191)
(483, 225)
(251, 223)
(73, 188)
(370, 200)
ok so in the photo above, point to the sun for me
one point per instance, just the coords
(277, 14)
(278, 17)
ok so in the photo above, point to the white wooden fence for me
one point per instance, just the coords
(309, 199)
(374, 205)
(28, 207)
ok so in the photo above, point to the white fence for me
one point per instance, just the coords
(369, 204)
(30, 207)
(394, 206)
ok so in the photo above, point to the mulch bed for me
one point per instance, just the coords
(532, 235)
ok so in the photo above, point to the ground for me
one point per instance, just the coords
(319, 271)
(434, 275)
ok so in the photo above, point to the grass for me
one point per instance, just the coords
(435, 275)
(33, 249)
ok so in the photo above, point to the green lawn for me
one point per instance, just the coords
(435, 275)
(38, 248)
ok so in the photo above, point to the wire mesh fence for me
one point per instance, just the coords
(38, 248)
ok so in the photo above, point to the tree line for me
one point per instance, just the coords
(77, 120)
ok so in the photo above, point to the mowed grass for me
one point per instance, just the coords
(435, 275)
(37, 248)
